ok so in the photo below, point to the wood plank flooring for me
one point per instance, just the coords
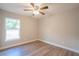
(37, 48)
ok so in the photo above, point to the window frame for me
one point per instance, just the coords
(6, 30)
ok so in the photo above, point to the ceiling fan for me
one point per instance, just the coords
(37, 9)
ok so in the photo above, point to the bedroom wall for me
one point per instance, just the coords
(61, 28)
(0, 30)
(28, 28)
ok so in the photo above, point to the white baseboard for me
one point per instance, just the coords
(21, 43)
(60, 46)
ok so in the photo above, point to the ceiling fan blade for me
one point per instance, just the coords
(27, 9)
(41, 13)
(45, 7)
(32, 4)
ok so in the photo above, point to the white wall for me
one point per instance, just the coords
(61, 28)
(28, 28)
(0, 30)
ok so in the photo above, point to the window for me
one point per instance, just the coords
(12, 29)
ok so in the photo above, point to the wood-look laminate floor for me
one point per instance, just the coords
(37, 48)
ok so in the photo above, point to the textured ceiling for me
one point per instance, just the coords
(53, 8)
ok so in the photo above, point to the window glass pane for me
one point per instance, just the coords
(12, 29)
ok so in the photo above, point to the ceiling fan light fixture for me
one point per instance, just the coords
(37, 8)
(35, 12)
